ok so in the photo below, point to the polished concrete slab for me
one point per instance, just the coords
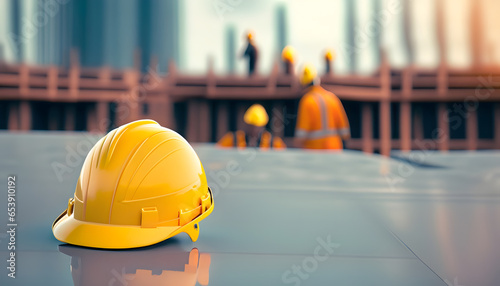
(280, 218)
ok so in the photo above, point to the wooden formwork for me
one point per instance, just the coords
(211, 101)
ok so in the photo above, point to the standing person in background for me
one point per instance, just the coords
(329, 58)
(321, 120)
(288, 58)
(254, 133)
(252, 53)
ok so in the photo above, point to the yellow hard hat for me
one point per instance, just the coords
(139, 185)
(288, 54)
(308, 74)
(330, 54)
(250, 35)
(256, 115)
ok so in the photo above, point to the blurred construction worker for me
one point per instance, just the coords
(251, 53)
(321, 121)
(254, 135)
(329, 58)
(288, 58)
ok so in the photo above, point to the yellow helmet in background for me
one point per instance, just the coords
(288, 54)
(139, 185)
(256, 115)
(308, 74)
(330, 54)
(250, 35)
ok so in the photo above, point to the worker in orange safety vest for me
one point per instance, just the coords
(254, 134)
(321, 120)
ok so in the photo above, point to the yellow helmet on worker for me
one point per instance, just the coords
(256, 115)
(250, 35)
(308, 75)
(139, 185)
(330, 54)
(288, 54)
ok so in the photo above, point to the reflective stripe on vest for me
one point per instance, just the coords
(322, 106)
(319, 134)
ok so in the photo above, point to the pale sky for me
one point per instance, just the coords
(317, 24)
(313, 25)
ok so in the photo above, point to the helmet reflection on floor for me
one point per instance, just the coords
(153, 266)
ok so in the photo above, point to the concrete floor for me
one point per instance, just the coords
(284, 218)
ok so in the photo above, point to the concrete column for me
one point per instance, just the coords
(193, 128)
(97, 117)
(127, 111)
(54, 115)
(222, 119)
(418, 125)
(129, 106)
(69, 116)
(24, 79)
(405, 110)
(385, 127)
(205, 121)
(25, 115)
(13, 123)
(160, 111)
(385, 107)
(240, 113)
(472, 133)
(52, 78)
(102, 117)
(169, 112)
(405, 125)
(74, 73)
(367, 127)
(444, 128)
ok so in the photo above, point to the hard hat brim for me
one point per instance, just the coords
(98, 235)
(258, 124)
